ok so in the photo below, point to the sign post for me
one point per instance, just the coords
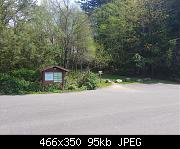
(100, 73)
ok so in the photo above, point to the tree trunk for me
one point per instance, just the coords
(65, 58)
(81, 67)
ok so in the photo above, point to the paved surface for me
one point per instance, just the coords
(126, 109)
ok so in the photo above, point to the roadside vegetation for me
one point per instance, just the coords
(130, 80)
(25, 81)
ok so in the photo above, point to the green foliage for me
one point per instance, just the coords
(90, 5)
(138, 60)
(115, 31)
(102, 58)
(103, 83)
(72, 87)
(90, 80)
(31, 38)
(26, 74)
(137, 36)
(24, 81)
(128, 36)
(35, 87)
(50, 87)
(83, 80)
(72, 79)
(12, 85)
(175, 73)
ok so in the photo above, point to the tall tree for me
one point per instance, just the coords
(89, 5)
(174, 26)
(13, 13)
(74, 32)
(134, 34)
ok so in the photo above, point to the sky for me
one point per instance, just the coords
(38, 1)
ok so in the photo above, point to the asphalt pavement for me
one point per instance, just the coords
(119, 109)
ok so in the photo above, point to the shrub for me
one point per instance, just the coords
(12, 85)
(175, 73)
(72, 79)
(83, 87)
(85, 80)
(25, 81)
(50, 87)
(35, 87)
(26, 74)
(72, 87)
(90, 80)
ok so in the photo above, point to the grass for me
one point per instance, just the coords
(99, 85)
(153, 81)
(57, 91)
(103, 84)
(113, 77)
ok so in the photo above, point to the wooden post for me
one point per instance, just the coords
(100, 73)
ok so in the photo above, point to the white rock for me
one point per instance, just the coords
(118, 81)
(140, 80)
(128, 79)
(108, 81)
(147, 79)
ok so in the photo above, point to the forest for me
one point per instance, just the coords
(125, 37)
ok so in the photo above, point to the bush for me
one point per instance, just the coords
(72, 87)
(25, 81)
(85, 80)
(26, 74)
(35, 87)
(72, 79)
(175, 73)
(50, 87)
(83, 87)
(12, 85)
(90, 80)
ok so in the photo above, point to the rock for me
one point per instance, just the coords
(140, 80)
(128, 79)
(147, 79)
(118, 81)
(108, 81)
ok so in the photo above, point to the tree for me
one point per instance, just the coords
(89, 5)
(173, 8)
(35, 36)
(73, 32)
(128, 28)
(114, 28)
(129, 36)
(154, 35)
(12, 15)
